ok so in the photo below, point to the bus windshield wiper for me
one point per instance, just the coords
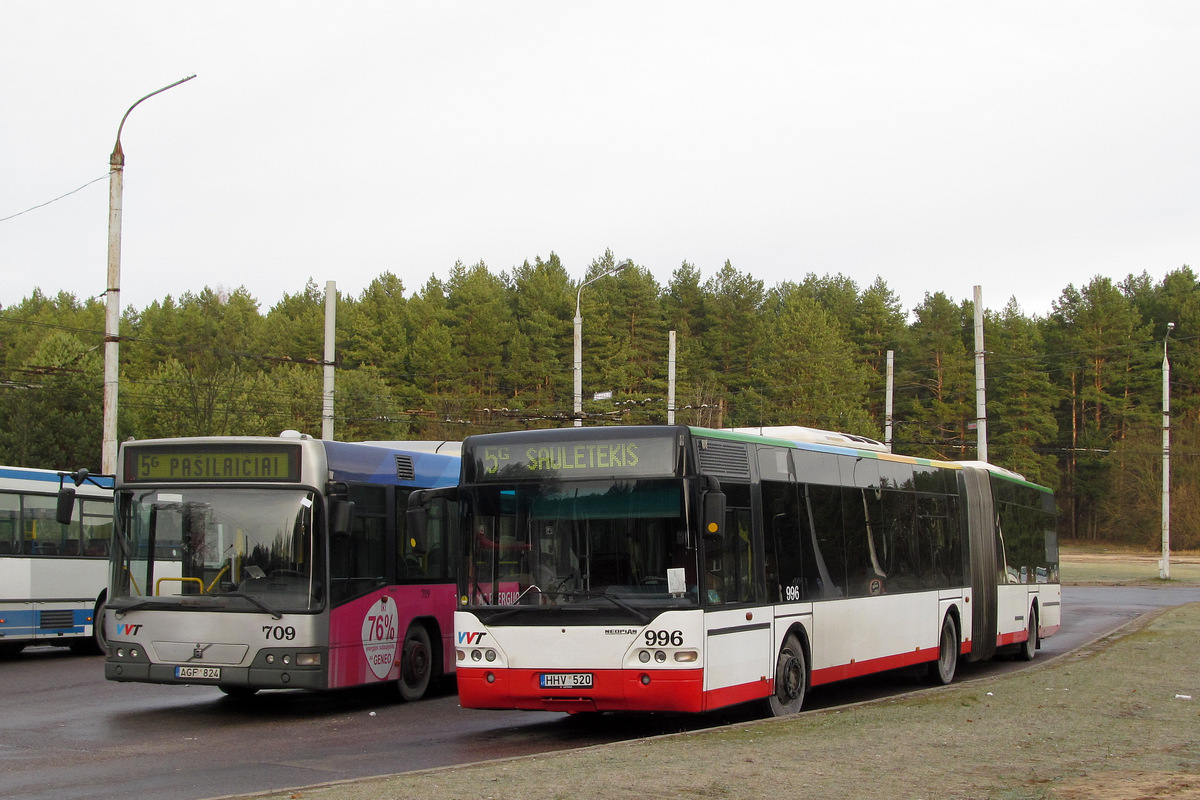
(618, 602)
(151, 603)
(140, 604)
(623, 605)
(254, 600)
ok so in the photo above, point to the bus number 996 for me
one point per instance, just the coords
(664, 638)
(279, 633)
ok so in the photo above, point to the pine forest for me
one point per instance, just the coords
(1074, 399)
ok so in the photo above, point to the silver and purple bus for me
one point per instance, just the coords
(251, 563)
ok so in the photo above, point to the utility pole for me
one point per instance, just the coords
(887, 403)
(330, 329)
(1164, 566)
(980, 390)
(671, 378)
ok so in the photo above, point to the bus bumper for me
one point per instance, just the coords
(240, 677)
(612, 690)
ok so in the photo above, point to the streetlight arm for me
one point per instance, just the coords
(607, 272)
(117, 155)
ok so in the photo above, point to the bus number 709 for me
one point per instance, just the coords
(279, 632)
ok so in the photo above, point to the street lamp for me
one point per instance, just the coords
(1164, 566)
(112, 311)
(579, 340)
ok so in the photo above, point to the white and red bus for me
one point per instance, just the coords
(53, 575)
(666, 568)
(255, 563)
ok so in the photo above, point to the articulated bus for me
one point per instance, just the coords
(53, 576)
(253, 563)
(665, 568)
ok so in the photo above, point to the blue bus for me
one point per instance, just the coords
(53, 576)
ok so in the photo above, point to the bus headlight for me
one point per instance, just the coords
(476, 655)
(308, 659)
(660, 656)
(687, 656)
(644, 656)
(490, 655)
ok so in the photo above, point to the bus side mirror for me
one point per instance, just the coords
(66, 505)
(417, 519)
(714, 513)
(420, 509)
(341, 516)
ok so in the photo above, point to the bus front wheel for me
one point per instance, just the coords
(791, 679)
(99, 632)
(416, 664)
(1029, 646)
(942, 671)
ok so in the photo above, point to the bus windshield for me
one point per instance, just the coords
(593, 542)
(219, 548)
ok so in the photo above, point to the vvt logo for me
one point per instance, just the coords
(471, 637)
(125, 629)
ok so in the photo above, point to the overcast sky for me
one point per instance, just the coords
(1020, 146)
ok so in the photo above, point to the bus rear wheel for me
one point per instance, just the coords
(416, 664)
(791, 679)
(942, 671)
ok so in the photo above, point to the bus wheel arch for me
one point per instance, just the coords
(99, 633)
(791, 675)
(418, 662)
(943, 669)
(97, 643)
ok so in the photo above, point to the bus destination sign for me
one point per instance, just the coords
(576, 458)
(220, 463)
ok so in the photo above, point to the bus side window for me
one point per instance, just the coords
(899, 511)
(861, 523)
(10, 524)
(731, 569)
(357, 560)
(825, 515)
(781, 526)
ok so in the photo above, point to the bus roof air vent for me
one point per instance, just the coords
(725, 459)
(404, 468)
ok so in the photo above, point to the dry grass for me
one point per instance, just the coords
(1108, 566)
(1118, 720)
